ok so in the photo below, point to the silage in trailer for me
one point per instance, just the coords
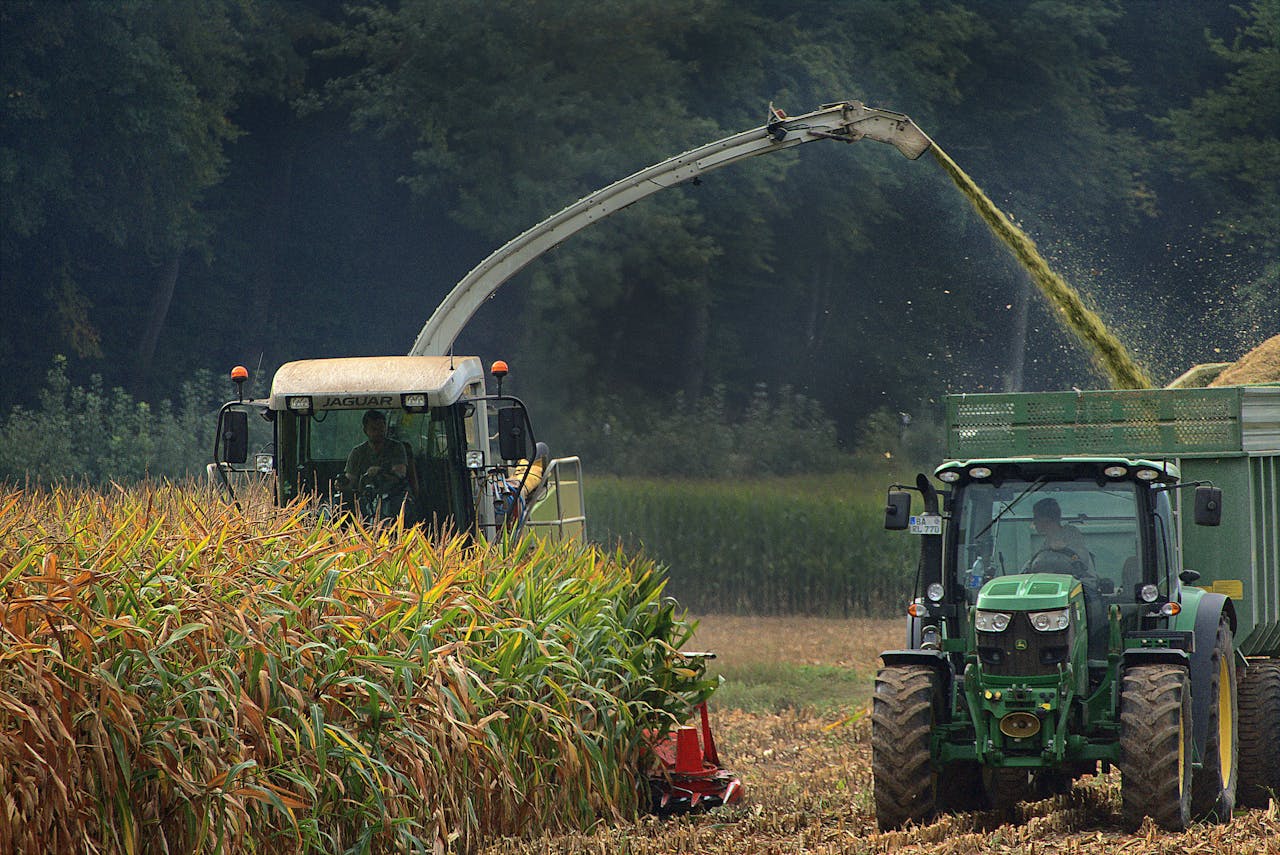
(179, 676)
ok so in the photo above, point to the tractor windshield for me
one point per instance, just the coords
(1076, 527)
(416, 461)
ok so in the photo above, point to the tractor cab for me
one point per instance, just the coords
(1041, 553)
(401, 436)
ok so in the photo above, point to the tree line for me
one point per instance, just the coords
(191, 184)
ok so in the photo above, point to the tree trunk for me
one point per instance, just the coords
(160, 302)
(699, 340)
(274, 236)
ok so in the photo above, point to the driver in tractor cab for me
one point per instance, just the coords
(1064, 550)
(1046, 518)
(380, 465)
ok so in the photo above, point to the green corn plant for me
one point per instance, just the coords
(180, 676)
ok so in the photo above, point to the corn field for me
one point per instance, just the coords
(177, 676)
(795, 546)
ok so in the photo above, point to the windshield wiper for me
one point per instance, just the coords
(1031, 488)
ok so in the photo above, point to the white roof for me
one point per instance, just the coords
(360, 382)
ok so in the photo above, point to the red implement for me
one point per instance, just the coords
(691, 778)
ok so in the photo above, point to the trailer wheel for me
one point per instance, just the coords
(1259, 700)
(1213, 786)
(903, 713)
(1155, 746)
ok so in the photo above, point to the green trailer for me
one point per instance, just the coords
(1099, 586)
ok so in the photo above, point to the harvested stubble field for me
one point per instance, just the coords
(807, 771)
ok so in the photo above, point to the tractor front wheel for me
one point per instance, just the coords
(903, 713)
(1155, 746)
(1259, 701)
(1213, 787)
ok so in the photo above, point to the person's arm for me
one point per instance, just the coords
(352, 473)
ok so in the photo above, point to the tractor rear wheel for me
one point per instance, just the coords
(1213, 786)
(1155, 746)
(904, 711)
(1259, 699)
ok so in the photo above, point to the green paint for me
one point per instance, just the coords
(1109, 354)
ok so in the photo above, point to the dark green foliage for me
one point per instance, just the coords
(92, 434)
(778, 434)
(193, 184)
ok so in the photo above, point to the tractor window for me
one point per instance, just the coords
(1093, 530)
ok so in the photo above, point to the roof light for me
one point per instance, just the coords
(1147, 474)
(1116, 471)
(950, 476)
(980, 472)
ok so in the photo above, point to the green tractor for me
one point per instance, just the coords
(1059, 628)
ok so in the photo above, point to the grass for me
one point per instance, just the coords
(818, 666)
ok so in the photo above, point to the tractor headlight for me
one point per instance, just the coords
(991, 621)
(1149, 593)
(1051, 621)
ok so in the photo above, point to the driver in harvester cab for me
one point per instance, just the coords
(380, 465)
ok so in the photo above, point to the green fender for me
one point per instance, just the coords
(1201, 613)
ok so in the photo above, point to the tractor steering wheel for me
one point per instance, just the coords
(1059, 560)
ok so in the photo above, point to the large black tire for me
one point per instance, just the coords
(1259, 702)
(1213, 786)
(903, 713)
(1155, 746)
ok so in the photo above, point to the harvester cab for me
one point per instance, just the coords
(1076, 611)
(411, 436)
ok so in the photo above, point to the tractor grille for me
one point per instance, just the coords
(1021, 650)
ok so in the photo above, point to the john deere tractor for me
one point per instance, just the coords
(1099, 586)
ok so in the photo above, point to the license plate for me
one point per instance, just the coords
(925, 524)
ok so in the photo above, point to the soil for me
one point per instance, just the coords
(808, 779)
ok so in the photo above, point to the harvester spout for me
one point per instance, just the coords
(859, 121)
(846, 121)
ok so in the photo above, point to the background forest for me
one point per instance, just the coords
(190, 184)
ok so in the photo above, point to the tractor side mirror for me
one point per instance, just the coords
(513, 434)
(235, 437)
(1208, 505)
(897, 512)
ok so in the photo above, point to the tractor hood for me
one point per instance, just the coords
(1028, 592)
(361, 382)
